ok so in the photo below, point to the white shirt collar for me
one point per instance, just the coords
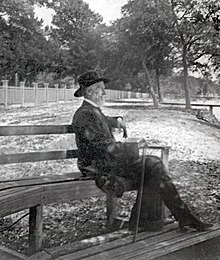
(91, 102)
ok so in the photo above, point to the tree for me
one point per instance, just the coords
(143, 41)
(24, 47)
(195, 26)
(76, 31)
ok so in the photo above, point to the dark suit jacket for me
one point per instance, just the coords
(96, 143)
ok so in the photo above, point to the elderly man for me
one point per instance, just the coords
(101, 155)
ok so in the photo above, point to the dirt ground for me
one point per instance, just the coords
(194, 166)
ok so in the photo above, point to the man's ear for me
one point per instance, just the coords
(89, 91)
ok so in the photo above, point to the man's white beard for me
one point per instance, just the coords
(101, 102)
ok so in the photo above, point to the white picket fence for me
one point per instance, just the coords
(23, 96)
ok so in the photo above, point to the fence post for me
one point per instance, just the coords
(117, 96)
(64, 89)
(5, 88)
(35, 94)
(57, 97)
(22, 84)
(46, 85)
(129, 94)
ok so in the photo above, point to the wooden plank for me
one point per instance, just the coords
(7, 192)
(111, 208)
(157, 147)
(165, 158)
(38, 156)
(23, 191)
(122, 252)
(8, 254)
(21, 200)
(206, 250)
(11, 185)
(25, 198)
(35, 130)
(49, 177)
(70, 191)
(96, 245)
(81, 246)
(42, 255)
(178, 244)
(51, 193)
(35, 229)
(149, 248)
(47, 156)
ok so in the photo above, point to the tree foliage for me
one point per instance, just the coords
(24, 47)
(77, 31)
(151, 40)
(196, 26)
(143, 39)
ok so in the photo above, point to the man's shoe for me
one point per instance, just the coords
(196, 224)
(117, 225)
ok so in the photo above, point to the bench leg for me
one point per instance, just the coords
(35, 229)
(111, 206)
(165, 158)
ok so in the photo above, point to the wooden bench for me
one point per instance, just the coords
(34, 192)
(210, 106)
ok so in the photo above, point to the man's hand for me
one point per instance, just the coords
(121, 125)
(110, 184)
(142, 143)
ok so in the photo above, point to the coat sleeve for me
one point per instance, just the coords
(112, 121)
(87, 125)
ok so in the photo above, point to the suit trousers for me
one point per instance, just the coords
(157, 186)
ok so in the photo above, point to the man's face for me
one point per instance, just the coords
(96, 93)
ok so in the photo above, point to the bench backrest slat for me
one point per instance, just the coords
(44, 155)
(35, 130)
(38, 156)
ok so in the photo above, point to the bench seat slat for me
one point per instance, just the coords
(11, 191)
(35, 130)
(20, 200)
(48, 193)
(43, 177)
(38, 156)
(71, 191)
(38, 182)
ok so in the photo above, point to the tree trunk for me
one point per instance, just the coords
(184, 59)
(150, 88)
(158, 85)
(185, 78)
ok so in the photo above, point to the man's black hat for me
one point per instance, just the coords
(87, 79)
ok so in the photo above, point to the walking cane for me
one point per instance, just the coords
(140, 194)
